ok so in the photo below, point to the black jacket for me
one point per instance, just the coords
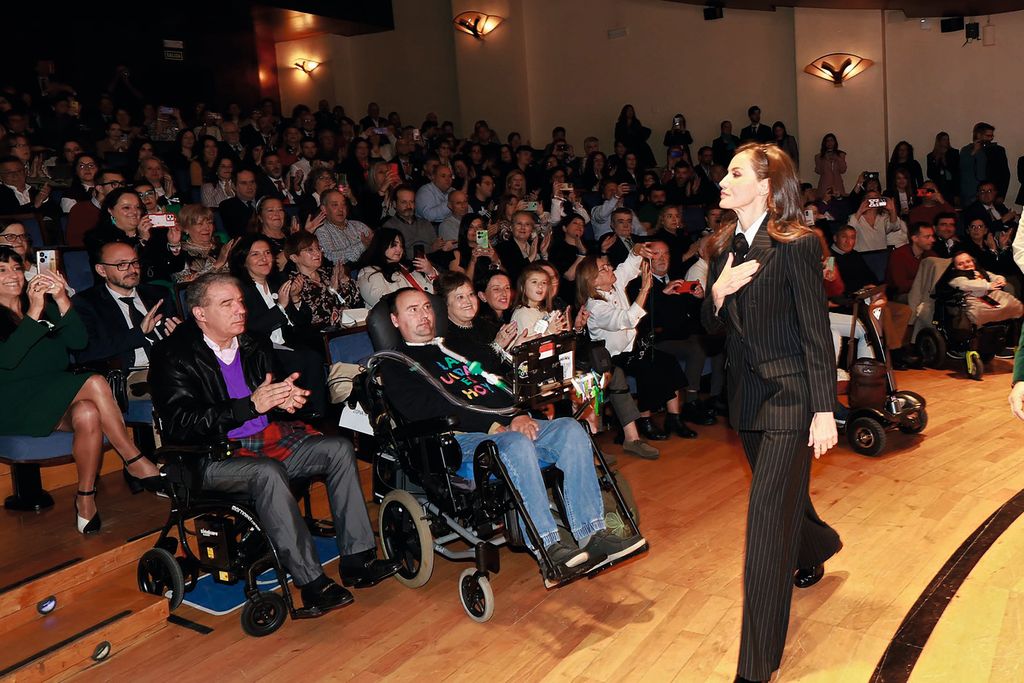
(763, 133)
(109, 334)
(262, 320)
(188, 389)
(235, 215)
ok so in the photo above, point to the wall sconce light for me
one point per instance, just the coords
(838, 67)
(477, 24)
(306, 66)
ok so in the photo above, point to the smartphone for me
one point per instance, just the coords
(870, 175)
(830, 264)
(416, 135)
(677, 121)
(161, 220)
(530, 206)
(419, 251)
(393, 170)
(483, 239)
(564, 187)
(541, 326)
(380, 131)
(46, 261)
(874, 203)
(808, 217)
(675, 154)
(924, 192)
(165, 110)
(74, 107)
(342, 179)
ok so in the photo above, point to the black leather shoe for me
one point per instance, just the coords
(674, 423)
(153, 484)
(369, 574)
(805, 578)
(698, 414)
(325, 596)
(648, 430)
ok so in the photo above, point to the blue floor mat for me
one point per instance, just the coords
(217, 598)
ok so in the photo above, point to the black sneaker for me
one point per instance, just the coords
(606, 546)
(566, 557)
(325, 596)
(368, 573)
(1007, 353)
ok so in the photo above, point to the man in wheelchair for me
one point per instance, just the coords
(211, 382)
(523, 443)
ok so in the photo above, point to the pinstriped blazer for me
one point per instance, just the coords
(779, 346)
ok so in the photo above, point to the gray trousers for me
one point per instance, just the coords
(620, 398)
(692, 354)
(266, 480)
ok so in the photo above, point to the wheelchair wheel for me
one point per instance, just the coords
(919, 424)
(160, 573)
(405, 536)
(476, 595)
(974, 364)
(932, 347)
(866, 436)
(264, 614)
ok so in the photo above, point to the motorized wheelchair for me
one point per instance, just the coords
(220, 534)
(426, 508)
(941, 325)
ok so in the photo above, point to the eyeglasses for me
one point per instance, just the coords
(112, 183)
(88, 165)
(124, 266)
(989, 191)
(16, 237)
(147, 193)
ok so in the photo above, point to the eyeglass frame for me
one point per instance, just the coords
(124, 266)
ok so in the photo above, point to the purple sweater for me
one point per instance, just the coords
(237, 388)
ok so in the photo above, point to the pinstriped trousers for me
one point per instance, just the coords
(783, 533)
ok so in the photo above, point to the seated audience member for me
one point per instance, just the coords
(932, 203)
(122, 316)
(904, 261)
(274, 315)
(415, 230)
(947, 242)
(525, 245)
(467, 334)
(377, 200)
(602, 290)
(384, 267)
(533, 311)
(272, 182)
(854, 273)
(470, 257)
(986, 301)
(618, 245)
(325, 292)
(686, 188)
(988, 208)
(481, 194)
(612, 197)
(458, 206)
(222, 185)
(17, 196)
(567, 250)
(523, 443)
(673, 321)
(201, 251)
(432, 198)
(342, 239)
(320, 180)
(210, 382)
(86, 214)
(128, 224)
(670, 229)
(38, 327)
(494, 288)
(156, 173)
(236, 212)
(82, 186)
(649, 211)
(877, 230)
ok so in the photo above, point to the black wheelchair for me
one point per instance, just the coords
(221, 535)
(426, 508)
(952, 332)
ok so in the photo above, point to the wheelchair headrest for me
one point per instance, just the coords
(385, 336)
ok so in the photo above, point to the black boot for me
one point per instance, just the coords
(648, 430)
(695, 412)
(674, 423)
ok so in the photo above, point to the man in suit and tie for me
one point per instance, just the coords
(272, 182)
(232, 145)
(768, 295)
(756, 131)
(237, 211)
(17, 196)
(123, 317)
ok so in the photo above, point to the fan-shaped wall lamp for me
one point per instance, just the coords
(838, 67)
(477, 24)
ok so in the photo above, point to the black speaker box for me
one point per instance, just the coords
(952, 24)
(712, 13)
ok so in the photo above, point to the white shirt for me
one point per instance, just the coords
(277, 336)
(612, 317)
(23, 197)
(141, 359)
(226, 355)
(751, 232)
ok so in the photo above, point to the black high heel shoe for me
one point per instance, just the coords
(86, 526)
(152, 484)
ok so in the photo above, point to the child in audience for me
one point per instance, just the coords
(533, 304)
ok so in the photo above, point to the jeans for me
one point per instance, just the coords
(562, 443)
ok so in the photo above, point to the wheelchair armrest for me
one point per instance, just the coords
(435, 425)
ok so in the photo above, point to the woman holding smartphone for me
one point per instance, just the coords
(38, 328)
(767, 295)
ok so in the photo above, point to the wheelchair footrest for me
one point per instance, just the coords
(639, 551)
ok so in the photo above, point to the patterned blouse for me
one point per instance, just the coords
(325, 304)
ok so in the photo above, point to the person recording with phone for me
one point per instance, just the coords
(475, 253)
(157, 237)
(526, 245)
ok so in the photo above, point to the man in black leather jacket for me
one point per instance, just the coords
(211, 382)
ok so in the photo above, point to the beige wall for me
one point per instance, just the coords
(855, 112)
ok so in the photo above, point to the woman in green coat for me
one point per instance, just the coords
(35, 337)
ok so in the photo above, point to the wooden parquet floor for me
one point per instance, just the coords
(674, 614)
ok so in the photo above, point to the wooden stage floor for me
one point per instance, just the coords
(674, 614)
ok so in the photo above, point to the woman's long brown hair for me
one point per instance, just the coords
(784, 208)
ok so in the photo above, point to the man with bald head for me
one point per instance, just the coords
(458, 205)
(432, 198)
(343, 240)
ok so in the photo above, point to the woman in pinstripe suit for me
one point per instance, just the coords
(768, 296)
